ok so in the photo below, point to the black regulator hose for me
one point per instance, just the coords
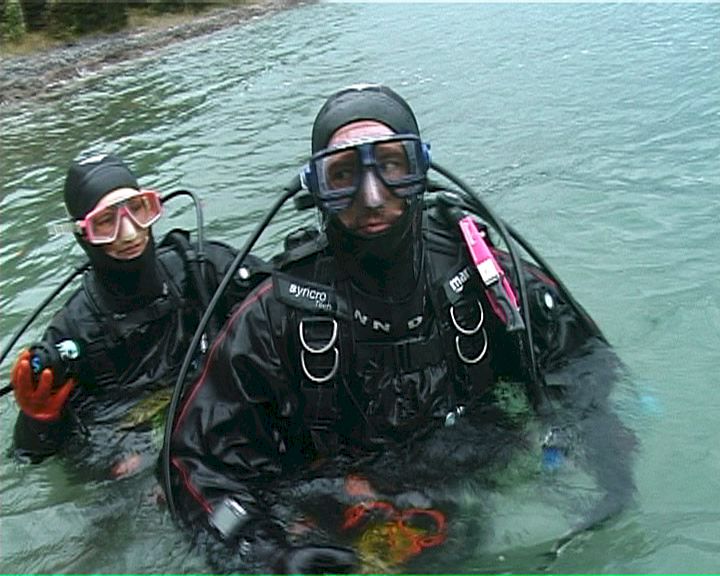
(487, 214)
(49, 298)
(289, 191)
(590, 324)
(199, 225)
(579, 310)
(198, 274)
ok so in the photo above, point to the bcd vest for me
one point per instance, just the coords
(117, 328)
(450, 321)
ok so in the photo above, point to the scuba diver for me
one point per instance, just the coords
(394, 323)
(103, 370)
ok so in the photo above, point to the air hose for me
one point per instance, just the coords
(289, 191)
(487, 214)
(49, 298)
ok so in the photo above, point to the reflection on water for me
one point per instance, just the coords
(595, 130)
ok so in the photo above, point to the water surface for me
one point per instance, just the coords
(593, 129)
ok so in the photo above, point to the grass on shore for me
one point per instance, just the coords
(30, 43)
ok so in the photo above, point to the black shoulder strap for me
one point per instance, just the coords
(304, 245)
(179, 242)
(318, 339)
(460, 311)
(96, 351)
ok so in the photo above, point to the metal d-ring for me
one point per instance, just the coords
(324, 348)
(471, 360)
(320, 379)
(465, 330)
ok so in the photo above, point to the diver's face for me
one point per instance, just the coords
(374, 208)
(131, 239)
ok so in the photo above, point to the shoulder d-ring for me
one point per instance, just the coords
(471, 360)
(320, 379)
(323, 348)
(467, 332)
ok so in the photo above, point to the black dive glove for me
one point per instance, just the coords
(318, 560)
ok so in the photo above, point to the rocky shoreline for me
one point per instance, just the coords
(44, 73)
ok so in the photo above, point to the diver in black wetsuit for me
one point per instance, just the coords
(122, 334)
(397, 322)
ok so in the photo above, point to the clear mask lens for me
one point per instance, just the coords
(102, 226)
(399, 162)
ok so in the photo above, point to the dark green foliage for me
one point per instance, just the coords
(12, 23)
(163, 6)
(67, 18)
(34, 13)
(176, 6)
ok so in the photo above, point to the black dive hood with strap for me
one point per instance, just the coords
(362, 102)
(385, 264)
(124, 284)
(90, 179)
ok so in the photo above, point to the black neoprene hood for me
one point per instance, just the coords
(88, 180)
(362, 102)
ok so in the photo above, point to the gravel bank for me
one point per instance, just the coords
(44, 73)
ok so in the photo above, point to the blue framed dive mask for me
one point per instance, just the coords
(334, 175)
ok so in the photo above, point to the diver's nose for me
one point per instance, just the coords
(372, 193)
(128, 230)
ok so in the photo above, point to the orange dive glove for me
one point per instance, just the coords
(38, 400)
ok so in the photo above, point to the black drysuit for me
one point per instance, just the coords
(127, 361)
(309, 370)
